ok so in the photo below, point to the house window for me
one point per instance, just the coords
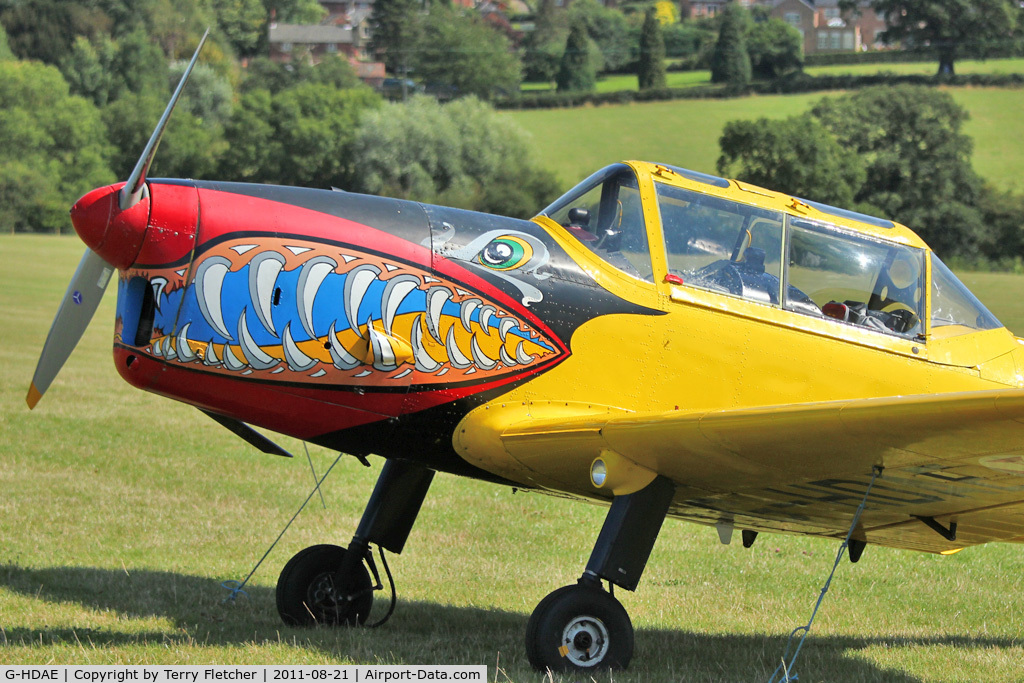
(286, 47)
(835, 41)
(823, 40)
(332, 47)
(831, 13)
(793, 19)
(848, 40)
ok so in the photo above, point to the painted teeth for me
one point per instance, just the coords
(263, 272)
(436, 322)
(357, 283)
(313, 274)
(508, 360)
(522, 356)
(436, 299)
(257, 357)
(479, 357)
(231, 361)
(424, 361)
(466, 312)
(185, 352)
(293, 355)
(209, 283)
(455, 355)
(383, 353)
(505, 325)
(169, 352)
(342, 359)
(395, 292)
(210, 357)
(158, 284)
(485, 318)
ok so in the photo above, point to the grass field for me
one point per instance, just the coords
(123, 512)
(686, 79)
(576, 142)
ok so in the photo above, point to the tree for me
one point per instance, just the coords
(294, 11)
(730, 62)
(917, 160)
(46, 29)
(208, 96)
(396, 30)
(797, 155)
(458, 154)
(301, 135)
(544, 45)
(53, 148)
(140, 65)
(252, 148)
(459, 52)
(609, 30)
(5, 48)
(651, 68)
(576, 72)
(189, 148)
(913, 159)
(243, 22)
(89, 70)
(775, 48)
(951, 27)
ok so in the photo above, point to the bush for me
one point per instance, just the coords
(458, 154)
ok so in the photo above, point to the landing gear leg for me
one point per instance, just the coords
(327, 584)
(583, 627)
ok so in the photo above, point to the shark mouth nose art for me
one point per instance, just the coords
(338, 315)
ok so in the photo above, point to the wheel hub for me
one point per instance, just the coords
(585, 640)
(322, 593)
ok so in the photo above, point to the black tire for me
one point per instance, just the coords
(307, 594)
(579, 628)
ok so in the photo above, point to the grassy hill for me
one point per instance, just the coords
(575, 142)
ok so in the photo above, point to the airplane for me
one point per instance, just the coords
(665, 342)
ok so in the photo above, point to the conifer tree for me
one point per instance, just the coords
(651, 69)
(730, 62)
(576, 73)
(396, 27)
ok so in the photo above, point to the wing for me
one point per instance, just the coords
(796, 468)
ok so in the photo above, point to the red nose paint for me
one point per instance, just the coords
(115, 235)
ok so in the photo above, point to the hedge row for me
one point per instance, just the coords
(794, 83)
(900, 56)
(872, 57)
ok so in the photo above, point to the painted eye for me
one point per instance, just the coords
(506, 253)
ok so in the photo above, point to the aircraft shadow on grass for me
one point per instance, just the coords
(457, 635)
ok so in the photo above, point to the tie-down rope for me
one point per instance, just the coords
(234, 586)
(786, 670)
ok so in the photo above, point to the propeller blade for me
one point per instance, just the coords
(131, 193)
(76, 310)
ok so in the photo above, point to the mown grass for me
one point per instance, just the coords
(576, 142)
(122, 513)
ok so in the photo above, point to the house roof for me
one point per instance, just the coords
(311, 34)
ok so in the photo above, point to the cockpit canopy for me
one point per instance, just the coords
(761, 253)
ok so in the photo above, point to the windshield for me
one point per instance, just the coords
(605, 214)
(953, 305)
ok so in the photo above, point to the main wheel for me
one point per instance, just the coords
(579, 628)
(309, 595)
